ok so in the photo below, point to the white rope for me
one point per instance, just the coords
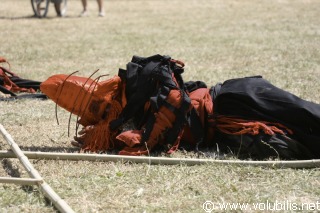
(315, 163)
(60, 204)
(20, 181)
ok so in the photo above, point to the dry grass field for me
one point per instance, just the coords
(217, 39)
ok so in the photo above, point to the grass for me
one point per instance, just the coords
(217, 40)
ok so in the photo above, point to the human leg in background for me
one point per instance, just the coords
(57, 6)
(84, 5)
(101, 9)
(100, 6)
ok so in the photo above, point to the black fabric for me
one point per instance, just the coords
(24, 83)
(198, 131)
(257, 99)
(131, 78)
(25, 96)
(150, 79)
(143, 76)
(160, 100)
(181, 119)
(214, 91)
(20, 82)
(156, 102)
(148, 128)
(194, 85)
(262, 146)
(5, 90)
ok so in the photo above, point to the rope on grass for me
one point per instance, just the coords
(48, 192)
(315, 163)
(20, 181)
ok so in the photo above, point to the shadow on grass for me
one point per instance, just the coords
(9, 168)
(35, 17)
(50, 149)
(13, 171)
(17, 18)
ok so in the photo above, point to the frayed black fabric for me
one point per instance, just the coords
(254, 98)
(22, 83)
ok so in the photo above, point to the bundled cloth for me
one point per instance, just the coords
(148, 106)
(11, 84)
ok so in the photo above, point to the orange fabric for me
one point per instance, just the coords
(164, 120)
(101, 138)
(130, 137)
(82, 96)
(95, 103)
(134, 151)
(177, 62)
(202, 102)
(7, 83)
(144, 150)
(10, 85)
(187, 136)
(236, 126)
(123, 95)
(176, 143)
